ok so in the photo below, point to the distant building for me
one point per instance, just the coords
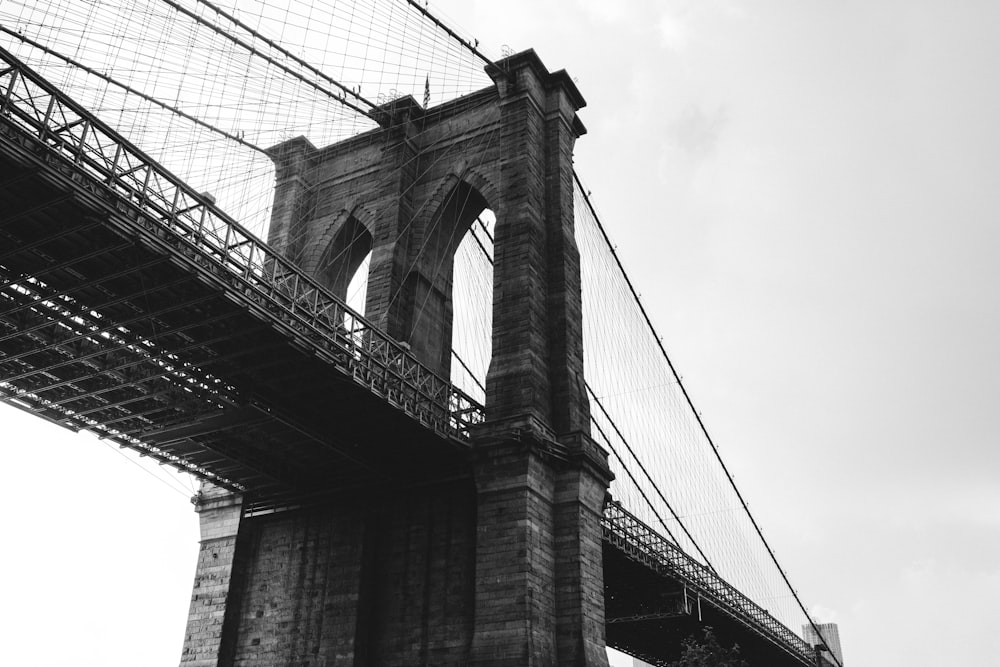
(831, 635)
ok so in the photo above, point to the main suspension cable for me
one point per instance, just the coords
(493, 67)
(368, 113)
(694, 412)
(131, 90)
(288, 54)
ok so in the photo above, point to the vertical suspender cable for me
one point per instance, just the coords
(701, 424)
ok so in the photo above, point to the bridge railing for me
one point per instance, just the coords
(150, 197)
(643, 544)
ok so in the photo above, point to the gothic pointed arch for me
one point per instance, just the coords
(423, 174)
(426, 306)
(338, 247)
(449, 214)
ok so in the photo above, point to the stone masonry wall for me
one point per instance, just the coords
(211, 614)
(503, 568)
(385, 582)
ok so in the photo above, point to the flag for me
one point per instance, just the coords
(427, 91)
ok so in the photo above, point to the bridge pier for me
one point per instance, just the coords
(213, 606)
(430, 546)
(539, 573)
(502, 564)
(502, 571)
(361, 581)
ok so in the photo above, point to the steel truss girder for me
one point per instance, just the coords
(92, 281)
(114, 328)
(651, 616)
(129, 341)
(257, 467)
(193, 408)
(674, 605)
(14, 217)
(136, 361)
(139, 431)
(64, 265)
(85, 310)
(22, 176)
(639, 542)
(155, 386)
(168, 218)
(172, 214)
(139, 380)
(110, 405)
(39, 408)
(45, 240)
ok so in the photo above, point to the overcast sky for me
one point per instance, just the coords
(806, 193)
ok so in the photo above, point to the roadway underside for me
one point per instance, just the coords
(103, 327)
(649, 615)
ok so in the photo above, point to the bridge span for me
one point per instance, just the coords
(132, 307)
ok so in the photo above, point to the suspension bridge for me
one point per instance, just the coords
(432, 395)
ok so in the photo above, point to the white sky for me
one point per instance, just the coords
(807, 195)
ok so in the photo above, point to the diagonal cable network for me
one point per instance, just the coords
(132, 91)
(370, 111)
(257, 82)
(610, 249)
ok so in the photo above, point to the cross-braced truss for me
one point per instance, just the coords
(134, 308)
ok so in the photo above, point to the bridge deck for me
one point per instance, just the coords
(129, 306)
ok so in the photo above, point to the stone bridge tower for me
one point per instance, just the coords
(501, 563)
